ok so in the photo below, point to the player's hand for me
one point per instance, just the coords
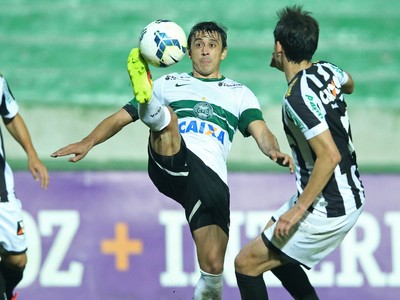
(39, 171)
(79, 149)
(282, 159)
(287, 221)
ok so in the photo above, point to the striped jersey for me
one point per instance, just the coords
(209, 113)
(8, 110)
(312, 104)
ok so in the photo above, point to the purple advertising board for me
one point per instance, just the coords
(112, 235)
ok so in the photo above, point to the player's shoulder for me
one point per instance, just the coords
(235, 87)
(294, 89)
(237, 90)
(230, 83)
(323, 63)
(332, 68)
(174, 76)
(329, 65)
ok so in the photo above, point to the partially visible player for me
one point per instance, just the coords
(330, 195)
(12, 237)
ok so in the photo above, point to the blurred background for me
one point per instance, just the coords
(66, 64)
(65, 61)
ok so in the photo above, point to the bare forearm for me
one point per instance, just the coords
(102, 132)
(327, 158)
(20, 133)
(264, 138)
(322, 172)
(108, 128)
(268, 144)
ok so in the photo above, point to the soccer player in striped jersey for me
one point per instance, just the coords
(12, 237)
(330, 195)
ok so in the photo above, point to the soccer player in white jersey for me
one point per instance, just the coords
(193, 117)
(12, 237)
(330, 195)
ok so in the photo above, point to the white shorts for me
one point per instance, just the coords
(313, 238)
(12, 231)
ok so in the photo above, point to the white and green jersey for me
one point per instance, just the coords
(209, 113)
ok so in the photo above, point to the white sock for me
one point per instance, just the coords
(209, 287)
(154, 115)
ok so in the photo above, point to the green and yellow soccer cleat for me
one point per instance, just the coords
(140, 76)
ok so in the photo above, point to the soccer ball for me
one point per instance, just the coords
(162, 43)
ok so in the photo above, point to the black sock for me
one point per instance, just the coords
(12, 276)
(251, 288)
(2, 286)
(295, 281)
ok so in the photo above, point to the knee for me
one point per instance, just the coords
(20, 265)
(247, 263)
(173, 120)
(174, 116)
(212, 266)
(239, 262)
(15, 262)
(212, 262)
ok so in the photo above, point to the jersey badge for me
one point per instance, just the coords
(203, 110)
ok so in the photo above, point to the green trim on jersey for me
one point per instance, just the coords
(248, 116)
(207, 79)
(223, 118)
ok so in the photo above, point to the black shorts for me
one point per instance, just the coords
(185, 178)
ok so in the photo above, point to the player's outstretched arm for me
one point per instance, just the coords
(20, 133)
(268, 144)
(103, 131)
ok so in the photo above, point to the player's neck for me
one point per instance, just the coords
(213, 75)
(291, 69)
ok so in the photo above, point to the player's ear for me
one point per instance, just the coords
(278, 47)
(224, 53)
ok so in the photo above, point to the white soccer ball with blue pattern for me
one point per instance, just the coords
(162, 43)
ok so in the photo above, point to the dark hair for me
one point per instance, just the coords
(210, 28)
(297, 32)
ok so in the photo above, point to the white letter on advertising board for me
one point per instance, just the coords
(174, 275)
(356, 253)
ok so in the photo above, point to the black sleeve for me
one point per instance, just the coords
(132, 110)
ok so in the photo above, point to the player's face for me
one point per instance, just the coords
(206, 53)
(276, 60)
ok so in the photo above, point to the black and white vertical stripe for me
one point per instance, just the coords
(8, 110)
(312, 104)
